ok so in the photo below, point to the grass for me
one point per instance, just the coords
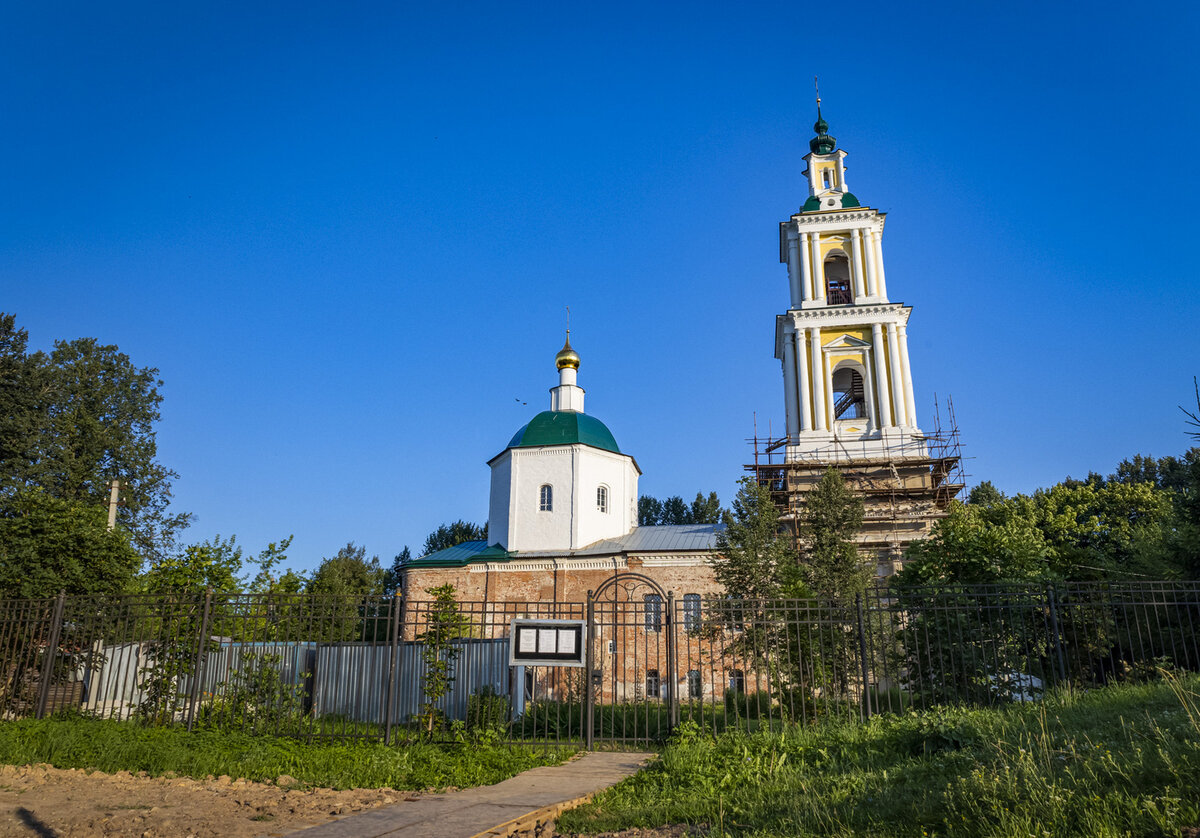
(93, 744)
(1121, 761)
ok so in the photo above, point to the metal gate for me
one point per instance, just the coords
(632, 693)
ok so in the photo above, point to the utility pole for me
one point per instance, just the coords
(113, 495)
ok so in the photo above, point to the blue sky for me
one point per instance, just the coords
(347, 233)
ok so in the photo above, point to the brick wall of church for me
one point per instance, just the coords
(629, 650)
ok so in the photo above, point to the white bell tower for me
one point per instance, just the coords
(843, 345)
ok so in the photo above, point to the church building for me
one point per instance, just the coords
(562, 517)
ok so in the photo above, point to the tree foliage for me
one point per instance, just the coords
(832, 567)
(395, 573)
(753, 560)
(448, 535)
(48, 545)
(348, 574)
(79, 417)
(210, 565)
(1137, 524)
(443, 624)
(674, 510)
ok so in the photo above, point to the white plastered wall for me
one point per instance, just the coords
(574, 472)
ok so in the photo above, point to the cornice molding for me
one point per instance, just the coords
(850, 315)
(835, 218)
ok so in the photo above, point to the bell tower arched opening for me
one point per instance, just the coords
(849, 394)
(837, 280)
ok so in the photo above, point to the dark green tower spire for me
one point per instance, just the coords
(822, 143)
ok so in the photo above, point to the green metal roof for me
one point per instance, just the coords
(461, 555)
(565, 427)
(813, 204)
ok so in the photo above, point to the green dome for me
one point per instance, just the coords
(565, 427)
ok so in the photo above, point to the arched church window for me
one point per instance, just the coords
(602, 499)
(691, 612)
(653, 612)
(546, 498)
(828, 178)
(849, 400)
(837, 281)
(653, 683)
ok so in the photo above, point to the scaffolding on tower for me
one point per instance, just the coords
(905, 491)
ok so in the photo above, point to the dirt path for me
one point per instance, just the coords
(42, 801)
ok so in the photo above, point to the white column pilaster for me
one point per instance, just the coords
(868, 257)
(827, 382)
(806, 288)
(793, 251)
(909, 401)
(878, 350)
(818, 270)
(789, 381)
(877, 241)
(898, 409)
(869, 392)
(806, 418)
(856, 262)
(818, 379)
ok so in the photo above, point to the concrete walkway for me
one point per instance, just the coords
(507, 808)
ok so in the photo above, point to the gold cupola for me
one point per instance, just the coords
(567, 357)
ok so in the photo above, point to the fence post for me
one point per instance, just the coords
(1058, 649)
(672, 675)
(198, 663)
(51, 652)
(393, 650)
(862, 656)
(589, 690)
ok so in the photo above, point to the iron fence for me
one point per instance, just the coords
(336, 668)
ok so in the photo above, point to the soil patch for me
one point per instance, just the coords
(38, 800)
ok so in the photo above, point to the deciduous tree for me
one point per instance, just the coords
(79, 417)
(348, 574)
(48, 545)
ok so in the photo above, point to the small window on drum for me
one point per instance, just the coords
(602, 499)
(546, 498)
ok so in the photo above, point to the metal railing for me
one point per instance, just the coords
(324, 667)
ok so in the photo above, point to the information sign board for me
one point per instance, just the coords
(547, 642)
